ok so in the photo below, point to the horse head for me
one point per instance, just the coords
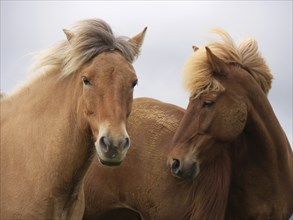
(218, 108)
(105, 85)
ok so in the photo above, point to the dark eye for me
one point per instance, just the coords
(207, 103)
(134, 83)
(86, 81)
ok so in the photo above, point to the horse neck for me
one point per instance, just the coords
(51, 105)
(263, 134)
(262, 162)
(76, 144)
(210, 194)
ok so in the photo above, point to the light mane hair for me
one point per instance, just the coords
(88, 38)
(198, 75)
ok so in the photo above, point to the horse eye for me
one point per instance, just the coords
(134, 83)
(86, 81)
(208, 103)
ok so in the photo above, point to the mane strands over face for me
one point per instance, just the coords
(85, 40)
(198, 74)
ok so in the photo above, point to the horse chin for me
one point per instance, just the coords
(110, 163)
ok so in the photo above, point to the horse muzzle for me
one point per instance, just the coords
(111, 152)
(184, 169)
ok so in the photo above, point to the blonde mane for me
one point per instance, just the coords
(87, 38)
(197, 73)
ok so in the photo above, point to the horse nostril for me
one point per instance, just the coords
(126, 143)
(187, 169)
(104, 143)
(175, 166)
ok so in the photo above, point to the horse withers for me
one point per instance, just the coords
(51, 126)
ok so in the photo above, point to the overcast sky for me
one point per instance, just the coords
(173, 27)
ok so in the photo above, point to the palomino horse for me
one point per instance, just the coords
(51, 125)
(221, 172)
(229, 140)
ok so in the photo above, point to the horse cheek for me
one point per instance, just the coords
(233, 122)
(205, 122)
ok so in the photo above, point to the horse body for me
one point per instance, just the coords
(141, 187)
(51, 126)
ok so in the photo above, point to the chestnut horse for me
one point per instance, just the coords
(223, 176)
(51, 126)
(229, 140)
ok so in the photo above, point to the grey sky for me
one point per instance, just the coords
(173, 27)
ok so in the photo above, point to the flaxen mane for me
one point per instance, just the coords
(198, 76)
(86, 39)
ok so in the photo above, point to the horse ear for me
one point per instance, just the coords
(195, 48)
(137, 41)
(216, 63)
(68, 34)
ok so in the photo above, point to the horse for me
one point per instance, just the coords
(230, 140)
(221, 179)
(52, 126)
